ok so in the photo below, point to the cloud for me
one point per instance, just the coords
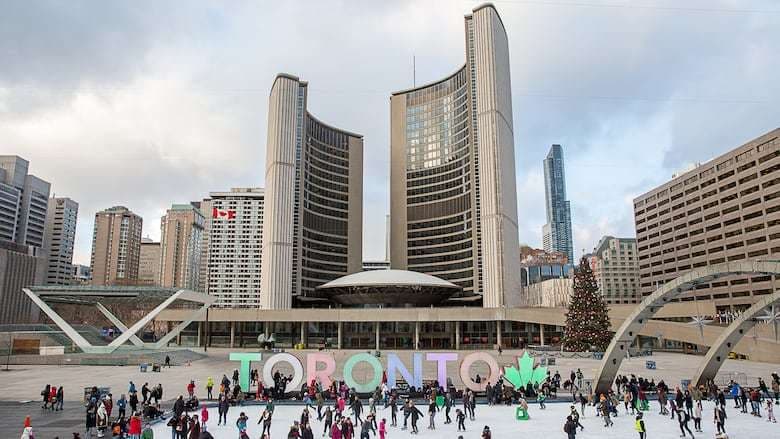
(147, 103)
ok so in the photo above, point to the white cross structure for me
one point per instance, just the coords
(94, 295)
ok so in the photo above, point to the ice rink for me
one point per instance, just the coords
(548, 422)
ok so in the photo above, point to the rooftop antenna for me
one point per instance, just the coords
(414, 71)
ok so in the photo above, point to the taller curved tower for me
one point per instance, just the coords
(453, 200)
(313, 223)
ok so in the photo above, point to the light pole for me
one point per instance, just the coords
(10, 346)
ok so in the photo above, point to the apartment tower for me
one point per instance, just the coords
(149, 263)
(313, 224)
(727, 209)
(557, 234)
(116, 247)
(616, 269)
(453, 201)
(60, 238)
(181, 232)
(232, 247)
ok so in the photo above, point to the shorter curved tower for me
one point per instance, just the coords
(312, 229)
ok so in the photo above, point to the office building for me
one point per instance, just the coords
(24, 199)
(82, 275)
(116, 247)
(233, 243)
(313, 225)
(727, 209)
(453, 201)
(181, 232)
(149, 263)
(616, 269)
(557, 234)
(60, 238)
(21, 266)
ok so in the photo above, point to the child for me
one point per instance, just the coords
(770, 411)
(461, 417)
(382, 429)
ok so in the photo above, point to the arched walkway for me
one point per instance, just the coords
(631, 326)
(730, 337)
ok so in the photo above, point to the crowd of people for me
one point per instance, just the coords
(343, 414)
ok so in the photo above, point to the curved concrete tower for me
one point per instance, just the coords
(313, 223)
(453, 200)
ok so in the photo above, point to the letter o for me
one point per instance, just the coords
(470, 359)
(293, 361)
(373, 383)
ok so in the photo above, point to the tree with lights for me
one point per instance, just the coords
(587, 320)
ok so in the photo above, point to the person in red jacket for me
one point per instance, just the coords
(134, 427)
(191, 388)
(204, 417)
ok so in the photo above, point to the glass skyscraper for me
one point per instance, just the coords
(556, 234)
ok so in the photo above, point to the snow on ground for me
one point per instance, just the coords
(548, 422)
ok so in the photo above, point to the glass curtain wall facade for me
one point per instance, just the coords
(453, 200)
(314, 197)
(557, 234)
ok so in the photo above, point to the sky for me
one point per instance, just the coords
(147, 103)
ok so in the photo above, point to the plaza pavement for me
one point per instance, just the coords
(24, 383)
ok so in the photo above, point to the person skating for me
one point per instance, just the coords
(461, 418)
(328, 417)
(448, 403)
(168, 361)
(486, 434)
(222, 410)
(570, 428)
(407, 412)
(209, 388)
(541, 399)
(357, 410)
(367, 427)
(415, 414)
(45, 395)
(719, 418)
(697, 417)
(683, 418)
(605, 412)
(241, 423)
(432, 414)
(265, 419)
(576, 418)
(393, 411)
(770, 411)
(383, 429)
(639, 425)
(194, 428)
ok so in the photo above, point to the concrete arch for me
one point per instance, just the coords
(631, 326)
(730, 337)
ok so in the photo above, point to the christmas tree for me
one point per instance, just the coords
(587, 321)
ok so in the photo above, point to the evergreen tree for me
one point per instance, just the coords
(587, 320)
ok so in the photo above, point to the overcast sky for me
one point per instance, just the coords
(146, 104)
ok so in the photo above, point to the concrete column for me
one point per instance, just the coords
(541, 334)
(200, 328)
(416, 335)
(376, 332)
(340, 335)
(303, 334)
(457, 335)
(498, 334)
(267, 329)
(232, 333)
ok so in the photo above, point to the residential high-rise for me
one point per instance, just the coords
(616, 269)
(233, 243)
(314, 199)
(116, 247)
(727, 209)
(557, 234)
(181, 232)
(453, 201)
(149, 263)
(82, 275)
(24, 199)
(21, 266)
(60, 238)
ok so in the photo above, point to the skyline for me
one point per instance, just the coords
(620, 141)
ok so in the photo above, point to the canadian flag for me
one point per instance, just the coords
(218, 213)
